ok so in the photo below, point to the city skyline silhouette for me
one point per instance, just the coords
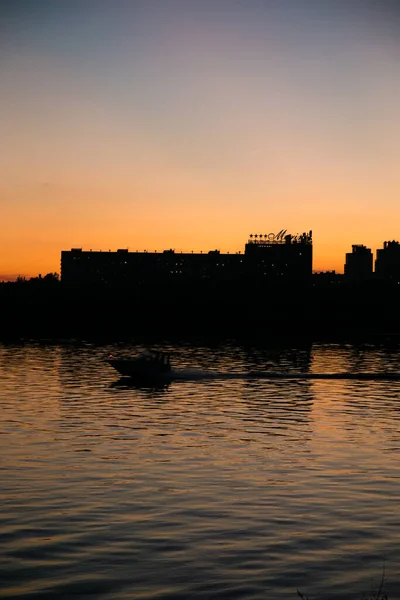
(391, 246)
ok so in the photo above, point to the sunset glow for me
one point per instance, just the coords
(156, 124)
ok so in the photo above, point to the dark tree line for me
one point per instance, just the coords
(49, 278)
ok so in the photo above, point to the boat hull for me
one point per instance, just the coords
(130, 368)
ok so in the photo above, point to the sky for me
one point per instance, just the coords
(189, 124)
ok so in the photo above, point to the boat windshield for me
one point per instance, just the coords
(150, 356)
(156, 357)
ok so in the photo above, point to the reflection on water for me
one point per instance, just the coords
(147, 386)
(228, 488)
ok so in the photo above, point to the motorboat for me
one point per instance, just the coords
(155, 367)
(146, 365)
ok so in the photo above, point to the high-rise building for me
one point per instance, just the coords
(387, 263)
(358, 266)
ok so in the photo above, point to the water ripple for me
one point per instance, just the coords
(225, 488)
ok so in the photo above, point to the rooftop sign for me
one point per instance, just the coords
(281, 237)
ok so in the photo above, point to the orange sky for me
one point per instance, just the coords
(195, 126)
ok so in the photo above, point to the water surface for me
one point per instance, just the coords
(225, 488)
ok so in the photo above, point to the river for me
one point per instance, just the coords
(220, 488)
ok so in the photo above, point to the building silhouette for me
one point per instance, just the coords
(387, 263)
(278, 257)
(359, 261)
(126, 268)
(282, 257)
(327, 277)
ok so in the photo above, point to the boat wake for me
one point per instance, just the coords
(176, 376)
(199, 374)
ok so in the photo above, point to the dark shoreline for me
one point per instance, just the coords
(258, 313)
